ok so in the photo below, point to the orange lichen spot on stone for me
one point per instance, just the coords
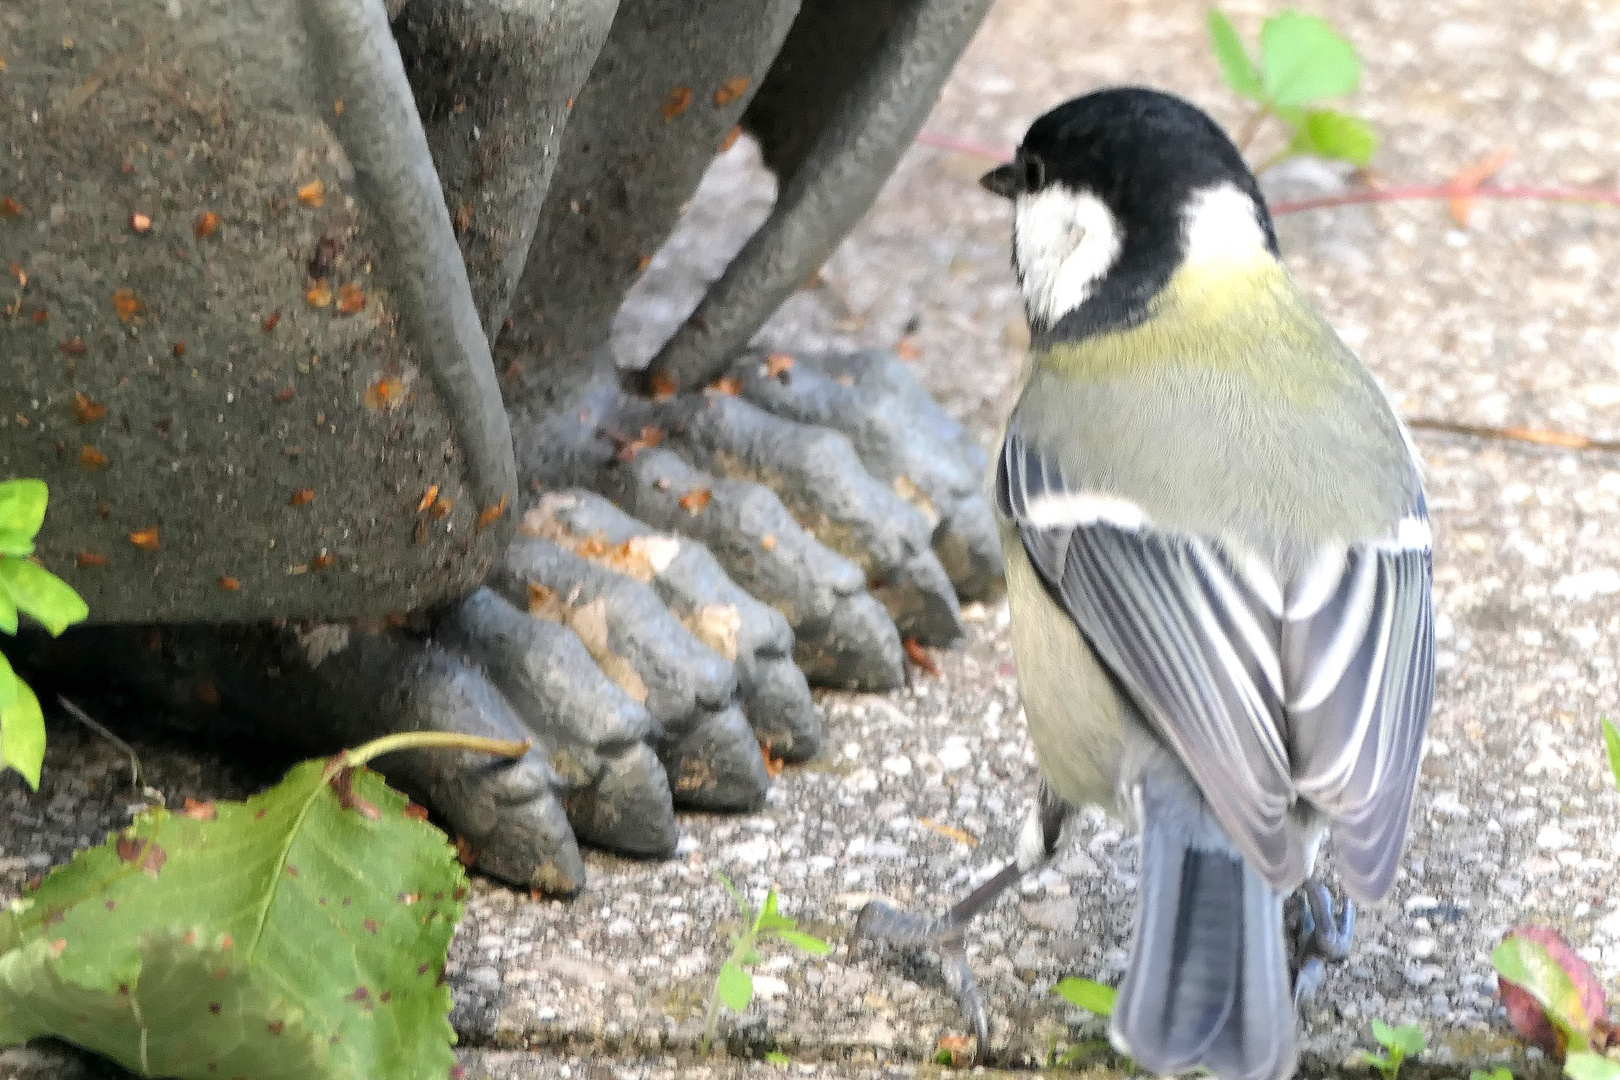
(730, 90)
(676, 103)
(126, 303)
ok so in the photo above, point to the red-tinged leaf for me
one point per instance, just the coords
(1551, 995)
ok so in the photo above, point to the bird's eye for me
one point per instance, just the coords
(1034, 174)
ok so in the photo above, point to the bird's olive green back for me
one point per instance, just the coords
(1233, 411)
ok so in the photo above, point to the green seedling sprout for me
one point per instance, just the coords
(1303, 62)
(1399, 1043)
(733, 986)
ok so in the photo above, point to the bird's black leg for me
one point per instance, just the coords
(881, 921)
(1321, 935)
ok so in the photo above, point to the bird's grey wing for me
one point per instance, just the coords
(1358, 659)
(1206, 649)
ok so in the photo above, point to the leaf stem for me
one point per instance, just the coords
(1252, 129)
(433, 740)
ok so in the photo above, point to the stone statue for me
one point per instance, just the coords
(308, 332)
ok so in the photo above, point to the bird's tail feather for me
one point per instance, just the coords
(1208, 981)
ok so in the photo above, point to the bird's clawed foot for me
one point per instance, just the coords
(1319, 934)
(881, 921)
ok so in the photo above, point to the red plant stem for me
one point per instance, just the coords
(1447, 191)
(1407, 193)
(962, 146)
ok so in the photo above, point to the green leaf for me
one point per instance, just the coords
(38, 592)
(776, 1057)
(1587, 1066)
(1092, 996)
(22, 506)
(316, 915)
(742, 905)
(16, 542)
(805, 942)
(1611, 739)
(1304, 60)
(770, 920)
(1381, 1062)
(734, 987)
(1535, 971)
(8, 613)
(1383, 1034)
(1408, 1039)
(8, 683)
(1236, 67)
(1335, 135)
(22, 734)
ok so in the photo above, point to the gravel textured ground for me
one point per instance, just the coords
(1514, 320)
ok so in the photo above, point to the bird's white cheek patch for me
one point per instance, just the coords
(1219, 225)
(1064, 241)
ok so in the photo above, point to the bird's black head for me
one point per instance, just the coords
(1114, 191)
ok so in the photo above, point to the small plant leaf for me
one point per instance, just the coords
(742, 905)
(770, 920)
(38, 592)
(22, 506)
(805, 942)
(1408, 1039)
(1611, 739)
(16, 542)
(1588, 1066)
(776, 1057)
(1550, 993)
(1088, 995)
(1236, 67)
(1335, 135)
(22, 732)
(734, 987)
(1382, 1062)
(1304, 60)
(1383, 1034)
(8, 613)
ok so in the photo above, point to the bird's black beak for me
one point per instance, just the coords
(1004, 180)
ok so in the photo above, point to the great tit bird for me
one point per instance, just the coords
(1219, 571)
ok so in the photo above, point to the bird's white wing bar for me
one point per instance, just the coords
(1318, 688)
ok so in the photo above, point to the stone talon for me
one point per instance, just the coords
(821, 480)
(902, 437)
(755, 637)
(842, 635)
